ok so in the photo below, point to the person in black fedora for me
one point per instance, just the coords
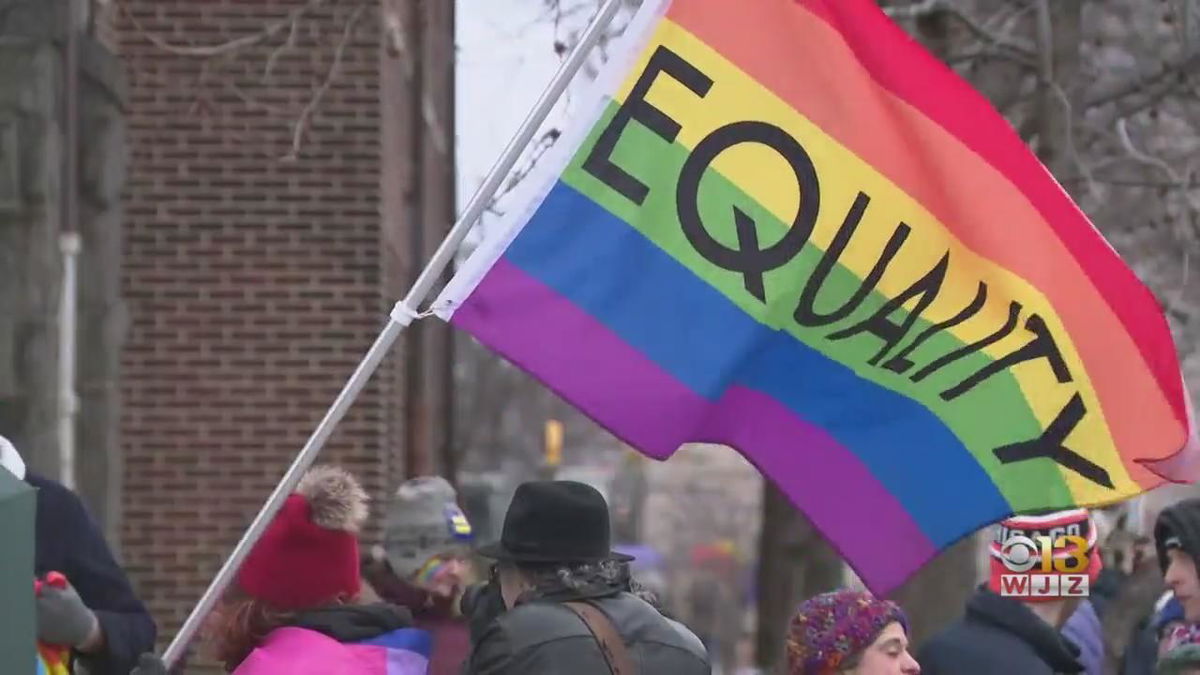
(560, 600)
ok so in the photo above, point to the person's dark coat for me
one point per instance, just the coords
(1141, 650)
(67, 540)
(1141, 654)
(998, 636)
(545, 638)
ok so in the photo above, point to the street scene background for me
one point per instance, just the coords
(258, 182)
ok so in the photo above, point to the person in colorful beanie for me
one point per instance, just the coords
(1001, 635)
(423, 565)
(292, 608)
(849, 632)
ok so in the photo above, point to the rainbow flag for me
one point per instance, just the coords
(785, 227)
(53, 660)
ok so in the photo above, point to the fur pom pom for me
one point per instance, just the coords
(336, 499)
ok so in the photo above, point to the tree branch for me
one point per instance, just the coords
(542, 146)
(224, 51)
(1072, 146)
(1136, 182)
(923, 8)
(930, 7)
(1045, 42)
(300, 126)
(252, 102)
(1058, 40)
(267, 32)
(1139, 156)
(288, 44)
(1141, 83)
(993, 53)
(395, 32)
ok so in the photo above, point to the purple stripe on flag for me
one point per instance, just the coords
(404, 662)
(541, 331)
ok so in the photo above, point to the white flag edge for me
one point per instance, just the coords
(552, 165)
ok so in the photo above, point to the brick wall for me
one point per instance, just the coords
(254, 281)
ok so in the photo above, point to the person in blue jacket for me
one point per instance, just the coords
(97, 614)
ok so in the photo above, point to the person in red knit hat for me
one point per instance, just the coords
(293, 606)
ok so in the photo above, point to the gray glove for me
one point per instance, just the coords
(63, 619)
(149, 664)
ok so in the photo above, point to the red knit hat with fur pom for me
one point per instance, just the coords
(308, 556)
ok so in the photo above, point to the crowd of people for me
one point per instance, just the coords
(557, 597)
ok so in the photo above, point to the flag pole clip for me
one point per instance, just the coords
(404, 315)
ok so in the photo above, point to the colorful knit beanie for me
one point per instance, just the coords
(832, 627)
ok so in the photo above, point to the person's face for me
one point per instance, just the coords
(887, 655)
(1181, 578)
(450, 577)
(445, 574)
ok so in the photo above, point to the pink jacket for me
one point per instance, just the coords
(299, 651)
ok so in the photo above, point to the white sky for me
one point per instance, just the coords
(505, 59)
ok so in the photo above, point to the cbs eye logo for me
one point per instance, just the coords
(1065, 555)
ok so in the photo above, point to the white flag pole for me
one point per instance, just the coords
(402, 315)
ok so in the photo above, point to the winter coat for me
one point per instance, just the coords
(1142, 653)
(546, 638)
(343, 640)
(1083, 629)
(67, 540)
(431, 613)
(998, 636)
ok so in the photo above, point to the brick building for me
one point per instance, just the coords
(279, 152)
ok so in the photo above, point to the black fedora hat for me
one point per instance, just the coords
(555, 521)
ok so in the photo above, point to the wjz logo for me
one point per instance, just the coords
(1049, 566)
